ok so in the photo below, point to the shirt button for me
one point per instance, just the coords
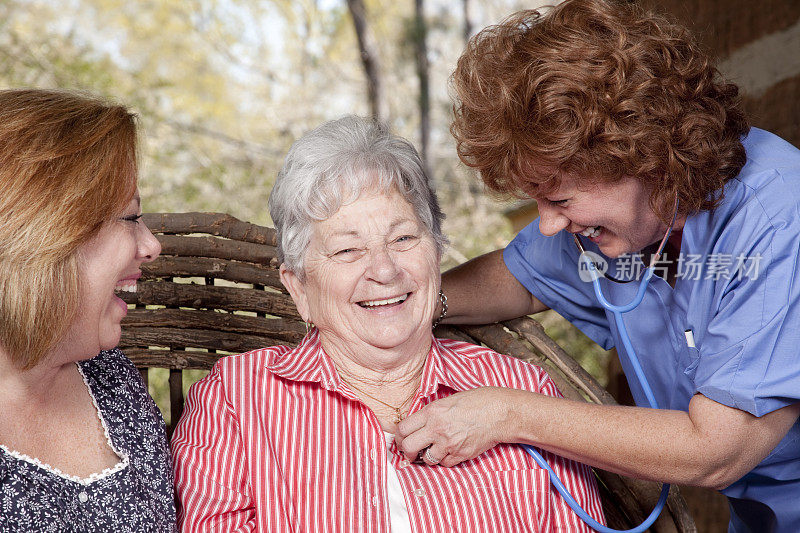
(419, 493)
(83, 497)
(404, 463)
(372, 454)
(374, 501)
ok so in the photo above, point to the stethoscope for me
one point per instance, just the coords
(633, 359)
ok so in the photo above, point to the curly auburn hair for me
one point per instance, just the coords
(598, 90)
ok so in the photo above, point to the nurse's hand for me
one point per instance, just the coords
(456, 428)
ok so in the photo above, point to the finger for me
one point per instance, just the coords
(450, 461)
(412, 423)
(413, 444)
(431, 457)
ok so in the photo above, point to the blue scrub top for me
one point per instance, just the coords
(738, 292)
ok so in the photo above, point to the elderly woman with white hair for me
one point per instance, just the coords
(302, 439)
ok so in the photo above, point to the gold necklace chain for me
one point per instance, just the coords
(398, 415)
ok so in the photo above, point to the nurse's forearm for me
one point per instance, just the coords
(711, 446)
(482, 291)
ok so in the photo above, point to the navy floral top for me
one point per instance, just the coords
(133, 496)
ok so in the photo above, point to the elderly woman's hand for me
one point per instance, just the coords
(456, 428)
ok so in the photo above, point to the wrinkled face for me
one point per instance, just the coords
(615, 216)
(110, 263)
(371, 276)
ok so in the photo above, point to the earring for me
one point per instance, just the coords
(443, 300)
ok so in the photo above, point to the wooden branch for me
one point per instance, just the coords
(217, 247)
(179, 359)
(220, 224)
(207, 267)
(289, 331)
(534, 333)
(619, 501)
(175, 398)
(211, 297)
(675, 518)
(454, 332)
(178, 338)
(501, 341)
(680, 511)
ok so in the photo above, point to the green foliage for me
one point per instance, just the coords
(158, 386)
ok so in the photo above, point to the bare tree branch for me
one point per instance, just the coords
(369, 58)
(467, 20)
(421, 47)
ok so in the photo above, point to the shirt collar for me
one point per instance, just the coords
(306, 362)
(446, 367)
(309, 362)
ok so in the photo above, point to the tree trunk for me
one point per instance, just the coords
(369, 58)
(421, 46)
(467, 20)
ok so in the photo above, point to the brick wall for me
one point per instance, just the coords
(758, 45)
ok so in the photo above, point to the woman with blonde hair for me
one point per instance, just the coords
(82, 445)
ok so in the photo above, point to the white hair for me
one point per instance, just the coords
(331, 166)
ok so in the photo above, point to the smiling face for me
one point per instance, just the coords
(371, 279)
(617, 217)
(109, 263)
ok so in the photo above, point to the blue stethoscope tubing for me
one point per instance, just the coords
(617, 310)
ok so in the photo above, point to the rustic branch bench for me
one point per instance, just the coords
(215, 290)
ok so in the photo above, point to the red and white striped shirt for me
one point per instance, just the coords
(274, 440)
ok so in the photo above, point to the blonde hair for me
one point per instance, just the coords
(68, 165)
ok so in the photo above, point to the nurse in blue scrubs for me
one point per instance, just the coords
(616, 123)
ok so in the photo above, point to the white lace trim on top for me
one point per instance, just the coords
(55, 471)
(122, 464)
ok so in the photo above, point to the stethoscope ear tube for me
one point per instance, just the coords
(617, 311)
